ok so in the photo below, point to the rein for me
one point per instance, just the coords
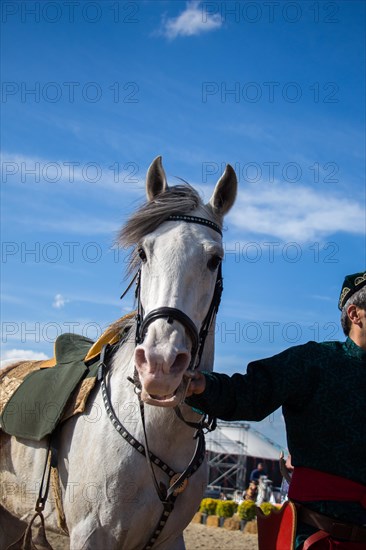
(177, 481)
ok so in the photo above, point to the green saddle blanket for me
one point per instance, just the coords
(36, 406)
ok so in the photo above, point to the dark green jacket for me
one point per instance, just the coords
(322, 391)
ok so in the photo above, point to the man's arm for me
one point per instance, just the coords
(268, 384)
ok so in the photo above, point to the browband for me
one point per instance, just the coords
(195, 219)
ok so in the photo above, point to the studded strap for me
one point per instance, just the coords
(169, 498)
(123, 431)
(195, 219)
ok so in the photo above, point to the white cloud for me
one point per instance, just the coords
(21, 355)
(192, 21)
(19, 169)
(59, 301)
(295, 213)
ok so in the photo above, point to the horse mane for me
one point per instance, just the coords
(177, 199)
(124, 326)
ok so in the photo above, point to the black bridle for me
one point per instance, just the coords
(173, 314)
(166, 495)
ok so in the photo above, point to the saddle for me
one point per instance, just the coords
(35, 396)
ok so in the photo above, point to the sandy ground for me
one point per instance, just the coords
(196, 536)
(200, 537)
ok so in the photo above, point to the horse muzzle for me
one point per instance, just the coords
(161, 374)
(161, 360)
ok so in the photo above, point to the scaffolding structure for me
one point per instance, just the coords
(231, 449)
(229, 466)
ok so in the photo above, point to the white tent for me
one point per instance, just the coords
(240, 438)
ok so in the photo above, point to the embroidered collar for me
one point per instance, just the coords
(353, 350)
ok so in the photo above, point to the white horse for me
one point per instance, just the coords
(109, 496)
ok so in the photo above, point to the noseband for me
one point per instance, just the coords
(173, 314)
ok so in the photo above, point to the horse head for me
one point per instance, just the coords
(178, 253)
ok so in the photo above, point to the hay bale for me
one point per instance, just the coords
(251, 528)
(197, 518)
(232, 524)
(212, 521)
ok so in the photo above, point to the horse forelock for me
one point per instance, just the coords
(177, 199)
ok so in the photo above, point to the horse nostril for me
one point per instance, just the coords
(181, 362)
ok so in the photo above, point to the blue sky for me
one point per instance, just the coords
(93, 91)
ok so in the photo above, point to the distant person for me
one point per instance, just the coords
(257, 472)
(252, 492)
(322, 390)
(286, 469)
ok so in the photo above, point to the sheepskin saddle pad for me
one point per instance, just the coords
(35, 396)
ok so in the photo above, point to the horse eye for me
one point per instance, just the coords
(142, 254)
(214, 262)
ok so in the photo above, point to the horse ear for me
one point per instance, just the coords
(224, 194)
(155, 179)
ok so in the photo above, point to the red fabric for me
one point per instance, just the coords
(276, 531)
(312, 485)
(319, 536)
(321, 541)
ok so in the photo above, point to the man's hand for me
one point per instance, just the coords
(196, 383)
